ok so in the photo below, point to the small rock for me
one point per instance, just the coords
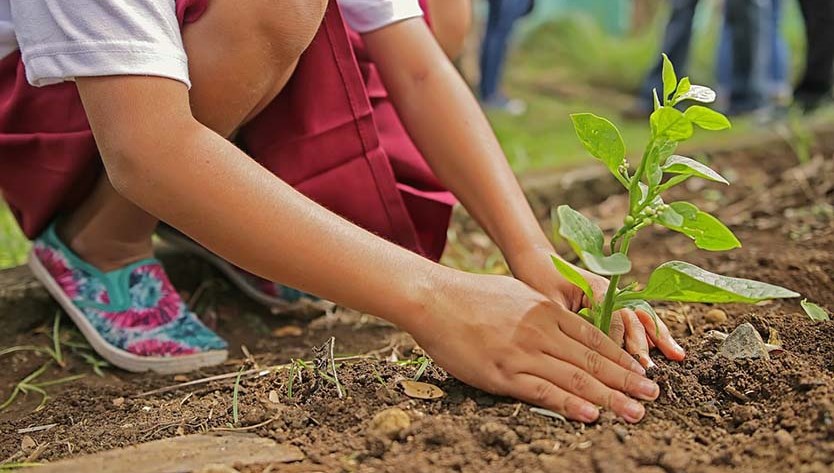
(418, 390)
(180, 378)
(216, 469)
(27, 444)
(498, 435)
(389, 423)
(274, 397)
(744, 342)
(783, 438)
(716, 316)
(118, 402)
(674, 461)
(621, 432)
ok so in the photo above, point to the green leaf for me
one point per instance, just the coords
(587, 314)
(660, 152)
(670, 79)
(688, 166)
(815, 312)
(706, 118)
(683, 87)
(571, 274)
(670, 218)
(668, 122)
(656, 99)
(582, 234)
(706, 231)
(601, 138)
(697, 93)
(677, 281)
(617, 263)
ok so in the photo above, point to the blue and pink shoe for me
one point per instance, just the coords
(271, 294)
(133, 317)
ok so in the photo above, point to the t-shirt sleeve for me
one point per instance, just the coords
(60, 40)
(368, 15)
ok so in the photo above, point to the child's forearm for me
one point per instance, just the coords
(190, 177)
(446, 123)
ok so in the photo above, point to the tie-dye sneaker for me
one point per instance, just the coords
(133, 317)
(271, 294)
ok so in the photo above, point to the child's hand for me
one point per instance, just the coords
(500, 335)
(637, 330)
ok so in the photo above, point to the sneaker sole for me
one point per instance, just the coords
(227, 269)
(116, 356)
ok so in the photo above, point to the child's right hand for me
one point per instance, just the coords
(498, 334)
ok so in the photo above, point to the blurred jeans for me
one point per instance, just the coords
(773, 50)
(817, 80)
(676, 42)
(503, 14)
(747, 19)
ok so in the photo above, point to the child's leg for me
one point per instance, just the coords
(240, 57)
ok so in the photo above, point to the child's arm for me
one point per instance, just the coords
(445, 121)
(492, 332)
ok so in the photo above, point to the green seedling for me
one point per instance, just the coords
(235, 392)
(814, 311)
(658, 171)
(29, 384)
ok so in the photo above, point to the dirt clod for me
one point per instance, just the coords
(783, 438)
(27, 444)
(494, 434)
(716, 316)
(217, 469)
(675, 461)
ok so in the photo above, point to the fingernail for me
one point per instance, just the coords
(634, 411)
(678, 348)
(650, 363)
(638, 368)
(588, 413)
(648, 388)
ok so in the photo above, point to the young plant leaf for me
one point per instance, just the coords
(660, 153)
(670, 218)
(582, 234)
(688, 166)
(617, 263)
(706, 231)
(697, 93)
(706, 118)
(668, 122)
(571, 274)
(815, 312)
(683, 87)
(670, 79)
(677, 281)
(601, 138)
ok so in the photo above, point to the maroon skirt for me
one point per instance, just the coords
(334, 136)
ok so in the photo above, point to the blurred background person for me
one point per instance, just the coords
(775, 58)
(814, 88)
(501, 21)
(748, 23)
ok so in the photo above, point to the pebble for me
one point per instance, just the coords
(716, 316)
(622, 433)
(744, 342)
(118, 402)
(389, 423)
(542, 446)
(783, 438)
(743, 414)
(274, 397)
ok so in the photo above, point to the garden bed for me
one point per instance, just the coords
(713, 414)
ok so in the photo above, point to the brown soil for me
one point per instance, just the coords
(713, 415)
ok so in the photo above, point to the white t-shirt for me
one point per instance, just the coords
(64, 39)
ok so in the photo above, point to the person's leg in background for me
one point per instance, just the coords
(774, 52)
(503, 15)
(749, 22)
(676, 45)
(815, 87)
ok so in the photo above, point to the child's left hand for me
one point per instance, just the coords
(635, 329)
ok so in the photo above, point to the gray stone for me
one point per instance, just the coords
(744, 342)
